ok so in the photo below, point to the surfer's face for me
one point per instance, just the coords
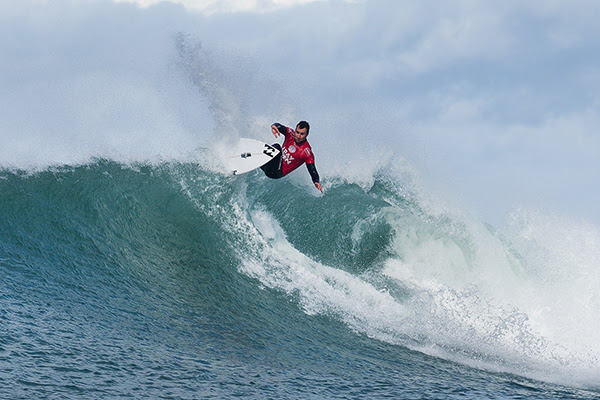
(300, 135)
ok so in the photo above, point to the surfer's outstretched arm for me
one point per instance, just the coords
(312, 170)
(275, 131)
(278, 129)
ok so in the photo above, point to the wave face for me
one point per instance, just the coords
(173, 279)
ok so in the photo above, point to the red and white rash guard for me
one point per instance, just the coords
(292, 154)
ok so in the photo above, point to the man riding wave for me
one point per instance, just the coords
(294, 152)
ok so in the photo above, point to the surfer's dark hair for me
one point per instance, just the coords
(302, 125)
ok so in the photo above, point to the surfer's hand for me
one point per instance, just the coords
(318, 186)
(275, 131)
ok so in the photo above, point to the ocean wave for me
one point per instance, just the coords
(382, 262)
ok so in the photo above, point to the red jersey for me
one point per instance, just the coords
(294, 155)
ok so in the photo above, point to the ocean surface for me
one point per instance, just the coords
(174, 280)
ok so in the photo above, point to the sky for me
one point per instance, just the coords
(493, 102)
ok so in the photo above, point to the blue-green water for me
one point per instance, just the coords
(174, 281)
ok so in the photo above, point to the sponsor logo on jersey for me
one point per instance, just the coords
(287, 156)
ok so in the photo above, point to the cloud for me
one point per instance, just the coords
(458, 35)
(227, 6)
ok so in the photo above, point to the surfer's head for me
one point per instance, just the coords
(303, 125)
(301, 132)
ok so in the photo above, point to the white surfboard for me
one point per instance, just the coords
(249, 154)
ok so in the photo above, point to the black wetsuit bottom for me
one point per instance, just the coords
(272, 169)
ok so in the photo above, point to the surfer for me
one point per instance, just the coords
(295, 152)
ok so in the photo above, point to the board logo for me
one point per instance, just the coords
(269, 150)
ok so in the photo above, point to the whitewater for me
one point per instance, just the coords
(134, 266)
